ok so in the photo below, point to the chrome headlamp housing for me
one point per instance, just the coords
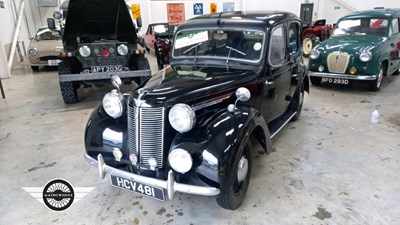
(114, 104)
(314, 54)
(182, 117)
(365, 56)
(180, 160)
(84, 51)
(122, 49)
(32, 51)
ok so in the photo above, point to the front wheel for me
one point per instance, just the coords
(315, 80)
(237, 190)
(142, 64)
(68, 90)
(376, 84)
(35, 68)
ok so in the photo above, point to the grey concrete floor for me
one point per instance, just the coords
(333, 166)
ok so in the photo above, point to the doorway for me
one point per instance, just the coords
(306, 12)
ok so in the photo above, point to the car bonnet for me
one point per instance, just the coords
(99, 19)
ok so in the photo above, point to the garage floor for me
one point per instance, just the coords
(333, 166)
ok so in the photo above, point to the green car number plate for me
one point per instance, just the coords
(335, 80)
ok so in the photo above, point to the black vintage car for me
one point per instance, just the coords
(235, 79)
(99, 39)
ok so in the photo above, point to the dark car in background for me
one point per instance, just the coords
(158, 38)
(364, 46)
(99, 39)
(233, 81)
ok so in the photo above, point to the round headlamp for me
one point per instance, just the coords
(122, 49)
(314, 54)
(84, 51)
(365, 56)
(182, 117)
(180, 160)
(167, 41)
(32, 51)
(114, 104)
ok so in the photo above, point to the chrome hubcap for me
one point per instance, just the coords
(243, 167)
(307, 43)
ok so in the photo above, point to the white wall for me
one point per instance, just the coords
(332, 10)
(156, 11)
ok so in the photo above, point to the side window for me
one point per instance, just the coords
(277, 46)
(395, 26)
(294, 40)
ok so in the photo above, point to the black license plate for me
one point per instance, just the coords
(335, 80)
(146, 190)
(99, 69)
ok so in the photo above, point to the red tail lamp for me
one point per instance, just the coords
(105, 53)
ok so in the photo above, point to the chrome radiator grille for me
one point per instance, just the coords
(146, 134)
(338, 62)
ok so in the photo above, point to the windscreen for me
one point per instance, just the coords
(362, 26)
(227, 44)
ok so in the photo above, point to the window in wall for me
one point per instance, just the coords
(47, 3)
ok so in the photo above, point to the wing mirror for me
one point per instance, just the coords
(57, 15)
(242, 94)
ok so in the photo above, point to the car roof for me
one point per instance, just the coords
(377, 12)
(254, 18)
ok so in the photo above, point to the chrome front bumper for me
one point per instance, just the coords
(342, 76)
(103, 75)
(170, 185)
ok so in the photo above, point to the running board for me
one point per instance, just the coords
(286, 121)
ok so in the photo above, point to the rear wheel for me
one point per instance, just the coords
(160, 63)
(69, 91)
(308, 44)
(376, 84)
(298, 103)
(315, 80)
(236, 192)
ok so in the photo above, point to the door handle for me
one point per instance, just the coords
(269, 82)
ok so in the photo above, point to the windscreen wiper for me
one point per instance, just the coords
(229, 55)
(195, 52)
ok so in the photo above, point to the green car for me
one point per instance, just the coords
(364, 46)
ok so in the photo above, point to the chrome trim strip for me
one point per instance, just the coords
(280, 128)
(210, 102)
(343, 76)
(170, 185)
(105, 75)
